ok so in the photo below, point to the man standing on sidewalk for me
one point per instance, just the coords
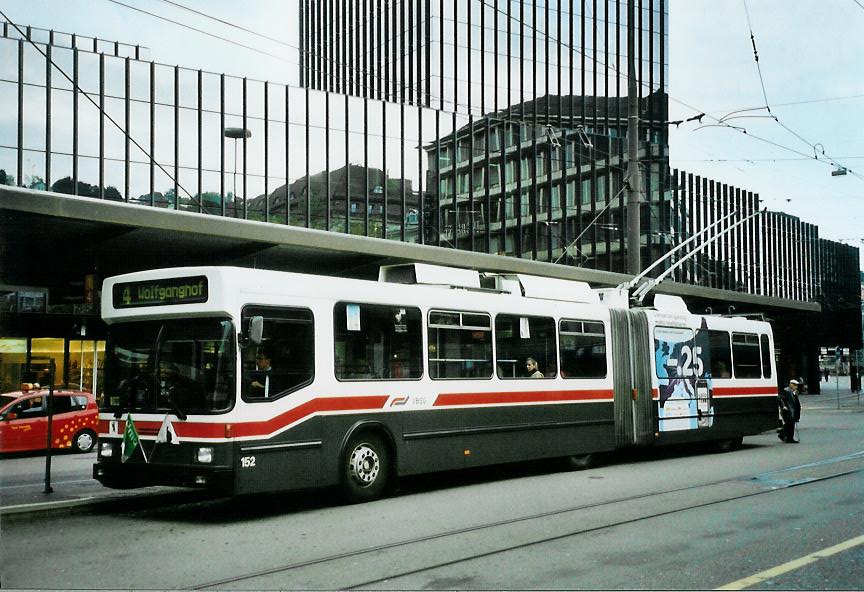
(790, 412)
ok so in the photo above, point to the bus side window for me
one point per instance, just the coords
(460, 344)
(766, 356)
(377, 342)
(582, 347)
(285, 359)
(715, 353)
(745, 355)
(521, 339)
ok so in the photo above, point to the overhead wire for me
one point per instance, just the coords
(768, 106)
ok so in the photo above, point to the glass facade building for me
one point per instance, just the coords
(487, 125)
(495, 126)
(525, 146)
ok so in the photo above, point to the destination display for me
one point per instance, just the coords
(161, 292)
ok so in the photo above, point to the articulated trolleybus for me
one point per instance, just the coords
(249, 381)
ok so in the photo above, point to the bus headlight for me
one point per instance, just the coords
(106, 449)
(204, 454)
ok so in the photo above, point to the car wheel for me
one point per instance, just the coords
(84, 441)
(365, 468)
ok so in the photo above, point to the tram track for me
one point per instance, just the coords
(742, 487)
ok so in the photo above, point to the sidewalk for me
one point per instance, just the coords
(22, 487)
(835, 394)
(83, 494)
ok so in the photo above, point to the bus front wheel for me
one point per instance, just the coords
(365, 468)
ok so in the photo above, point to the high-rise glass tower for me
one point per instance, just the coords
(525, 152)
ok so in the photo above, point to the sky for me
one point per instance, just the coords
(810, 56)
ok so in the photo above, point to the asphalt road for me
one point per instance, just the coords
(785, 516)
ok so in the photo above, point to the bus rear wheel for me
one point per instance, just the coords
(730, 444)
(581, 462)
(365, 468)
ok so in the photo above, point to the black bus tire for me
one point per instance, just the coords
(730, 444)
(365, 468)
(84, 441)
(581, 462)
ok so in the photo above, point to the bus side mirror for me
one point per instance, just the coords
(10, 416)
(256, 329)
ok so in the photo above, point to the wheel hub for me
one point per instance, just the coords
(364, 465)
(84, 441)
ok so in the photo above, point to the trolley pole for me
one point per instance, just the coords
(634, 242)
(49, 408)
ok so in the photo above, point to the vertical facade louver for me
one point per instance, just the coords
(525, 152)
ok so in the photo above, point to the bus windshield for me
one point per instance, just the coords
(181, 366)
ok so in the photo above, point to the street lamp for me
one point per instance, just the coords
(236, 133)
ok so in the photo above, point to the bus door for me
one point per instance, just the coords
(704, 409)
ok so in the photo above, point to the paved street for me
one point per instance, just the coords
(656, 519)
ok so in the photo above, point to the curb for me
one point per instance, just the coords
(134, 501)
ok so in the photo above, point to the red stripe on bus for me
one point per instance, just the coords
(731, 391)
(446, 399)
(256, 428)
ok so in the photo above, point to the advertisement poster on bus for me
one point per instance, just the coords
(684, 400)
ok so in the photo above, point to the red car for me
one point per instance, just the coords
(24, 420)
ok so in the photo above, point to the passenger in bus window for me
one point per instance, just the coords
(719, 369)
(261, 377)
(531, 370)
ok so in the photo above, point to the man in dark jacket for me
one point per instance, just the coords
(790, 412)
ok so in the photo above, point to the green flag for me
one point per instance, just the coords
(130, 439)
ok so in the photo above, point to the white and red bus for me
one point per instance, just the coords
(250, 380)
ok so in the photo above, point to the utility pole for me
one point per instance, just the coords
(634, 242)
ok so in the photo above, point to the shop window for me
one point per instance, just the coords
(13, 362)
(86, 360)
(42, 352)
